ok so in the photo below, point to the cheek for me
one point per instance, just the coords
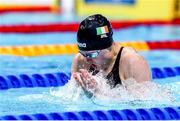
(97, 61)
(104, 55)
(101, 58)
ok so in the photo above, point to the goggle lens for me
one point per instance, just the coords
(90, 54)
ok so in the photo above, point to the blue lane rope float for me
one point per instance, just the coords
(60, 79)
(158, 113)
(34, 80)
(158, 73)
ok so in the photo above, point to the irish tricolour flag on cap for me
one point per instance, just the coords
(102, 30)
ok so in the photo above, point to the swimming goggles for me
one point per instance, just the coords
(93, 54)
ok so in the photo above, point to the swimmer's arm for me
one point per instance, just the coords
(137, 68)
(74, 67)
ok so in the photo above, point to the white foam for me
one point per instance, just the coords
(130, 90)
(70, 92)
(31, 97)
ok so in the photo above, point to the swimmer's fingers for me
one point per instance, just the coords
(82, 80)
(75, 76)
(86, 76)
(91, 84)
(88, 80)
(87, 84)
(85, 73)
(78, 78)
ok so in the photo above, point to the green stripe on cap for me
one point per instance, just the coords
(102, 30)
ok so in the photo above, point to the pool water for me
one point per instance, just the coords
(46, 100)
(43, 100)
(62, 63)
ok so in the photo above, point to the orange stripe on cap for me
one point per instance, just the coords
(106, 29)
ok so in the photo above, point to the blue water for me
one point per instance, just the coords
(45, 64)
(39, 100)
(35, 18)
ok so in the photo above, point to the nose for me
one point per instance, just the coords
(92, 61)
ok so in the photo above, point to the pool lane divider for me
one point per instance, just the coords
(73, 27)
(60, 79)
(34, 80)
(59, 49)
(155, 113)
(18, 6)
(24, 9)
(39, 50)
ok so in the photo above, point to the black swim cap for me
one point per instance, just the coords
(94, 33)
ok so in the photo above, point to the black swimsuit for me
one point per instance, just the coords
(113, 77)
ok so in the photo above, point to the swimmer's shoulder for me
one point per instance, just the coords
(129, 50)
(130, 56)
(134, 65)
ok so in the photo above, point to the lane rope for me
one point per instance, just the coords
(59, 49)
(156, 113)
(73, 27)
(60, 78)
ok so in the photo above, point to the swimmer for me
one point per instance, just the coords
(98, 52)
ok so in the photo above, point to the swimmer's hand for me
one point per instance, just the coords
(86, 80)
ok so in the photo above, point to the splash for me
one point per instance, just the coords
(72, 92)
(129, 91)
